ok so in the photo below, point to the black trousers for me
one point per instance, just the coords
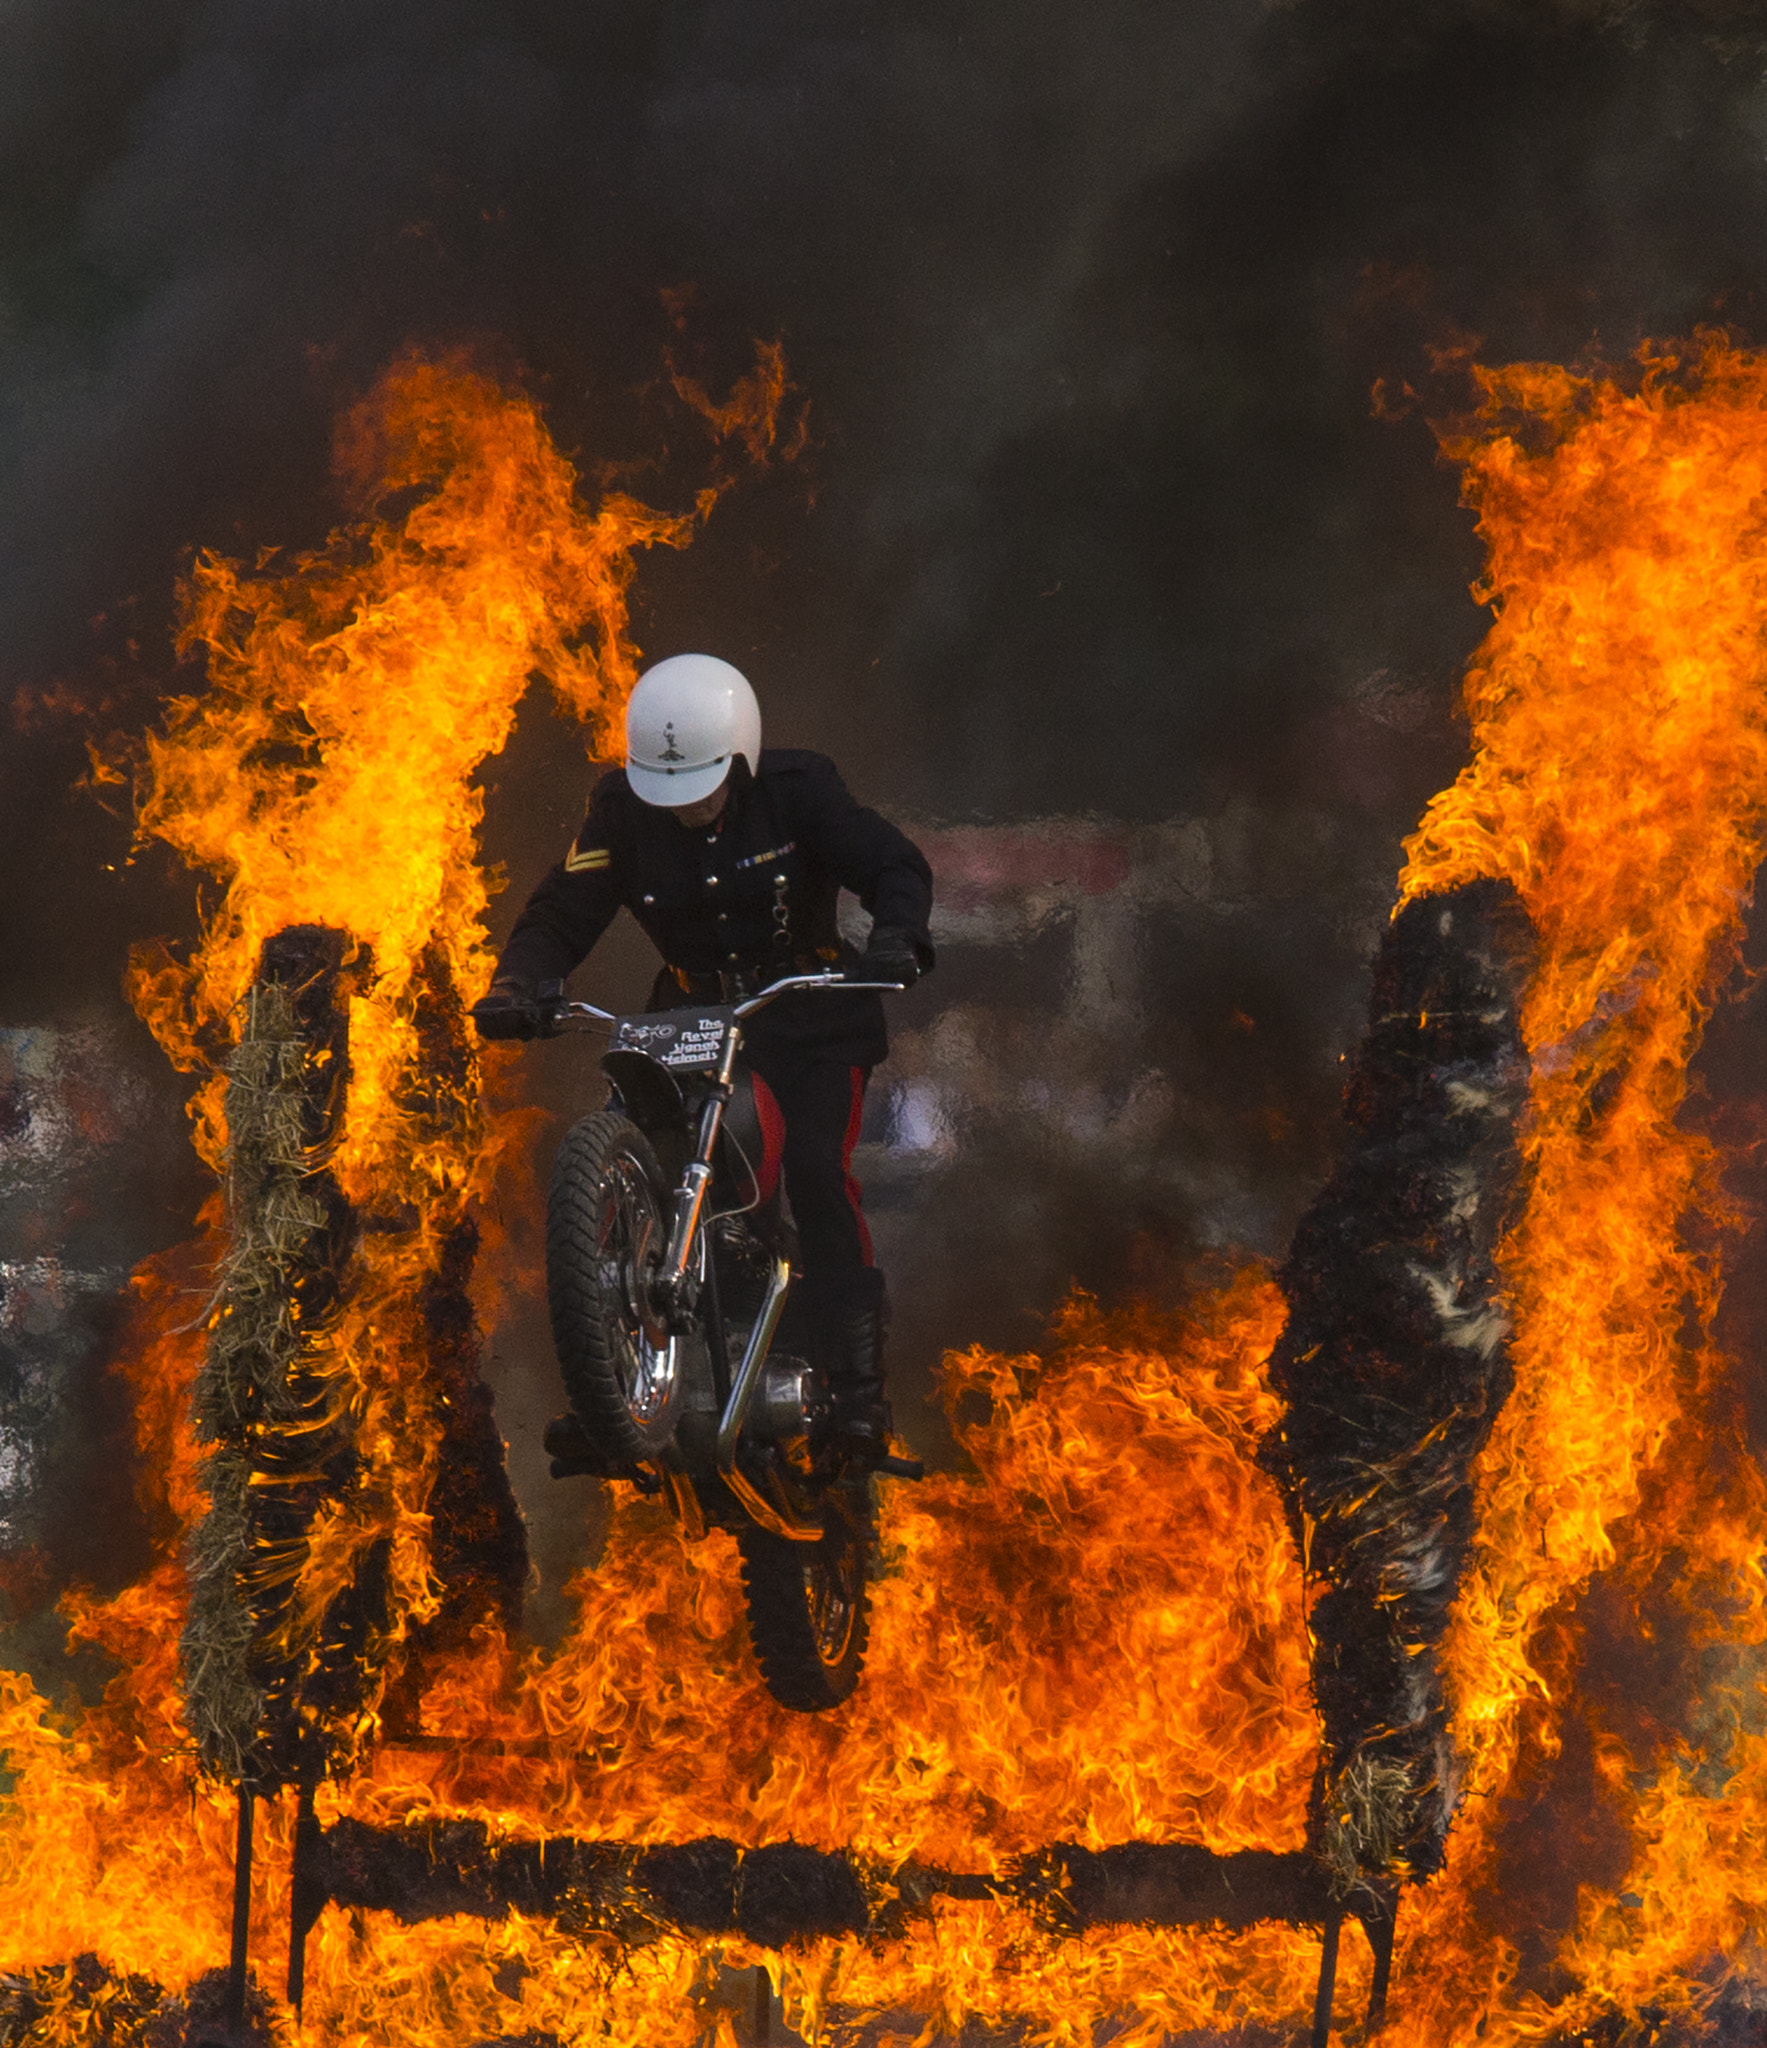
(821, 1104)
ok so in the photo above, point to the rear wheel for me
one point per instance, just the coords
(605, 1234)
(809, 1603)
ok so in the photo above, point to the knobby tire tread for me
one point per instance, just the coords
(780, 1628)
(585, 1327)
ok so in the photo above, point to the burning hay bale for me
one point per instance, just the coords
(262, 1682)
(478, 1541)
(785, 1893)
(280, 1656)
(1394, 1365)
(86, 2000)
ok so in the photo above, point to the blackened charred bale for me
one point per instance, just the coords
(691, 1884)
(479, 1547)
(268, 1702)
(418, 1873)
(788, 1893)
(1395, 1363)
(1166, 1884)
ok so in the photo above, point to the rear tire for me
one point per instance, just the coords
(810, 1603)
(605, 1231)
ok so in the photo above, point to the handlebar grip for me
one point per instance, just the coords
(893, 1467)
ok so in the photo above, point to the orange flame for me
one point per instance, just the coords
(324, 774)
(1619, 780)
(1099, 1634)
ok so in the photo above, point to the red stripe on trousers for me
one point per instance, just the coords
(855, 1193)
(772, 1121)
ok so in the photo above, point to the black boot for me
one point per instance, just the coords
(847, 1312)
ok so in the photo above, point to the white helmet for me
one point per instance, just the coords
(686, 720)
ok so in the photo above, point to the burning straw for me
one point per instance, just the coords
(1395, 1363)
(275, 1684)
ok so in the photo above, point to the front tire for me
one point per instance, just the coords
(810, 1603)
(605, 1233)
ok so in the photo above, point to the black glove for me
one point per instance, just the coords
(889, 955)
(510, 1009)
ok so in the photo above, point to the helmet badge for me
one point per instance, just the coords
(670, 751)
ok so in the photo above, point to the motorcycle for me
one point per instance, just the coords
(669, 1272)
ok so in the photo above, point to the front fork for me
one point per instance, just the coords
(676, 1288)
(672, 1284)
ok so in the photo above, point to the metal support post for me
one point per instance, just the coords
(233, 2012)
(1380, 1922)
(306, 1894)
(1328, 1976)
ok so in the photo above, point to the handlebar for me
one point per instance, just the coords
(794, 981)
(588, 1013)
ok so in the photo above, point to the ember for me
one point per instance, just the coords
(1074, 1789)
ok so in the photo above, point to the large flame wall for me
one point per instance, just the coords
(1099, 1635)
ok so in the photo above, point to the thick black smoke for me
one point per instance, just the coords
(1100, 518)
(1089, 303)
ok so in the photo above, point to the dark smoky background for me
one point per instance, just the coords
(1104, 567)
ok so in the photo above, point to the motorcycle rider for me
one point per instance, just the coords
(732, 859)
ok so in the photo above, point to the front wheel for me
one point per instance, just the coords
(605, 1235)
(809, 1603)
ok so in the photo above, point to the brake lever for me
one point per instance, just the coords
(563, 1014)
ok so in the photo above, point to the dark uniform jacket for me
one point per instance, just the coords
(752, 896)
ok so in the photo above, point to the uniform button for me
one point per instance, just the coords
(711, 881)
(723, 917)
(730, 956)
(650, 899)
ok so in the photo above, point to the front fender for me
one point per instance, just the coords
(651, 1094)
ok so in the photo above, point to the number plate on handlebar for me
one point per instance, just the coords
(684, 1041)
